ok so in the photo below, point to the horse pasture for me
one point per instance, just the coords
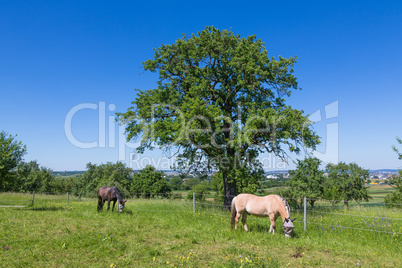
(167, 233)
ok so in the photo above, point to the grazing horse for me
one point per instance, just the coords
(110, 194)
(270, 206)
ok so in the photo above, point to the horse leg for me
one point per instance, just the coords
(114, 203)
(108, 204)
(243, 220)
(99, 203)
(237, 219)
(272, 227)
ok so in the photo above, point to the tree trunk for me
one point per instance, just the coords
(312, 204)
(230, 190)
(346, 204)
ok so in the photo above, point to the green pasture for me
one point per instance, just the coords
(167, 233)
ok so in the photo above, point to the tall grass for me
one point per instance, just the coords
(153, 233)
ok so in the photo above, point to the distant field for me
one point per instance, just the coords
(378, 193)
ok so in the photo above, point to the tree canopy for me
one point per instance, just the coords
(399, 140)
(307, 180)
(347, 180)
(394, 199)
(219, 103)
(11, 153)
(149, 182)
(109, 174)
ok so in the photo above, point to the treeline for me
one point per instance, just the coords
(29, 177)
(340, 182)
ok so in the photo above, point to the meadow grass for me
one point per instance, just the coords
(151, 233)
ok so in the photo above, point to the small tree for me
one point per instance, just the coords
(32, 177)
(149, 182)
(11, 153)
(200, 190)
(394, 199)
(190, 183)
(109, 174)
(349, 180)
(176, 183)
(307, 180)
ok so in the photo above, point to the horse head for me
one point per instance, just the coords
(288, 226)
(121, 205)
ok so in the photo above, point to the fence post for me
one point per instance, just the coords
(194, 202)
(305, 214)
(67, 199)
(33, 197)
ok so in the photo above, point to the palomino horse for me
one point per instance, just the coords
(270, 206)
(110, 194)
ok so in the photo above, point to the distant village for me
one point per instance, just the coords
(376, 177)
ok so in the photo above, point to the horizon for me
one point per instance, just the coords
(68, 67)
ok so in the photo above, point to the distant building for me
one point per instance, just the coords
(272, 177)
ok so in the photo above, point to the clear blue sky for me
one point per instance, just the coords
(57, 56)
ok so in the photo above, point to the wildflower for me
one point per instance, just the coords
(358, 264)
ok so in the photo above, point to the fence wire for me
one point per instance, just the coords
(205, 204)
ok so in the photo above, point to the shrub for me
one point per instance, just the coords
(393, 200)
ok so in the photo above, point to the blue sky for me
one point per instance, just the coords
(59, 56)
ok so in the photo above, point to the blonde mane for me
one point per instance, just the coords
(286, 204)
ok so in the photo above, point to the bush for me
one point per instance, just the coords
(394, 200)
(200, 191)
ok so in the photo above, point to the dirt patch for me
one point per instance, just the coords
(299, 253)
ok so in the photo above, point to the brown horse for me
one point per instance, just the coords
(270, 206)
(110, 194)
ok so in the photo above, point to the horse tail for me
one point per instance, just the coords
(233, 212)
(99, 199)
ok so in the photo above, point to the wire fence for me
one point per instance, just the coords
(324, 216)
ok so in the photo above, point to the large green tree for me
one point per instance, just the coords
(307, 180)
(11, 153)
(219, 103)
(399, 140)
(346, 181)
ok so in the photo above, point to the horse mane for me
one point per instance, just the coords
(118, 195)
(286, 204)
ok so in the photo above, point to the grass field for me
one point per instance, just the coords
(153, 233)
